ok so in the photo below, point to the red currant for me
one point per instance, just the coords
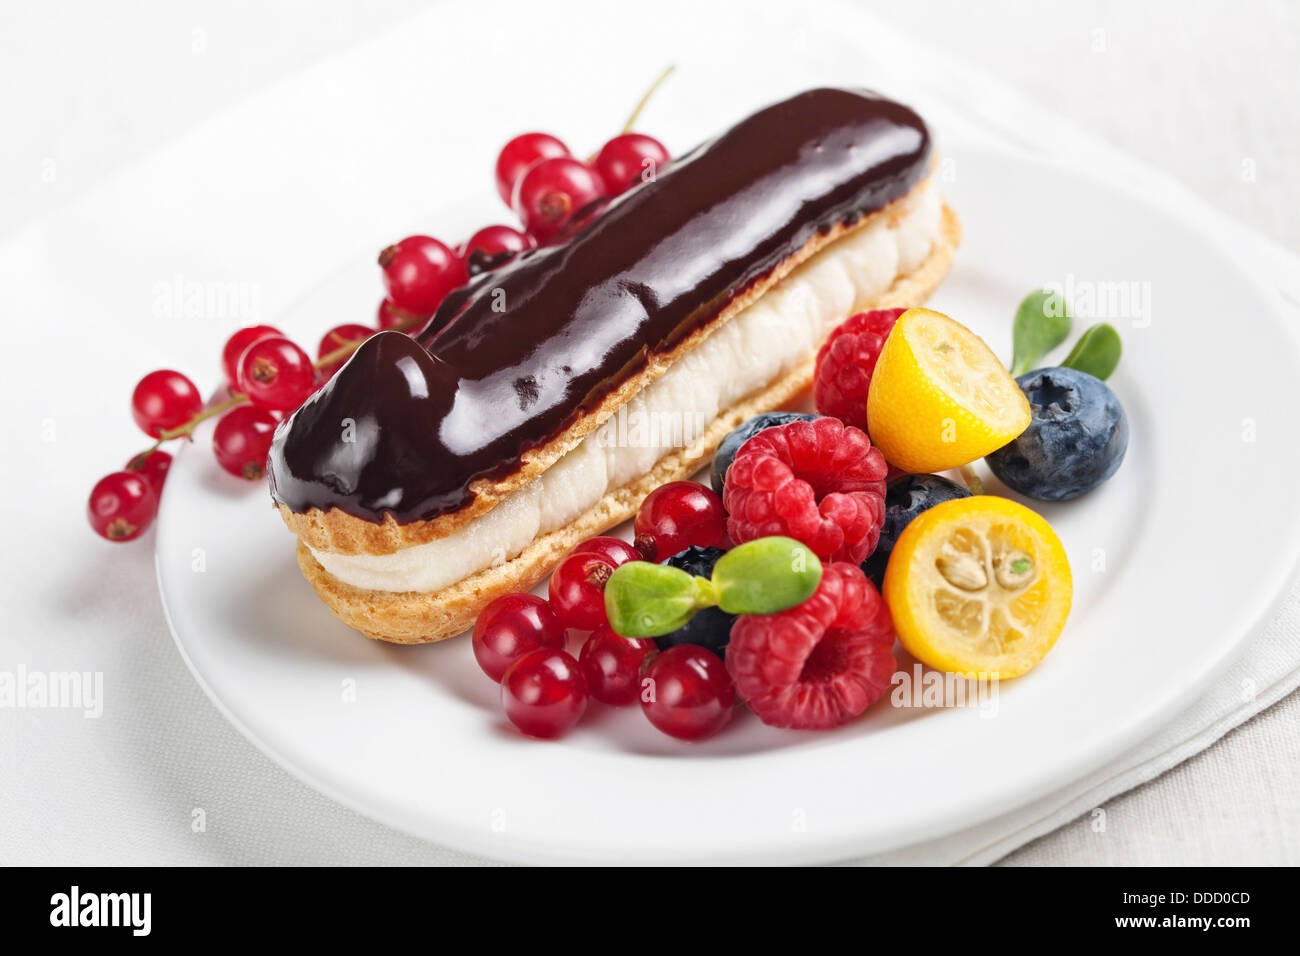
(164, 400)
(419, 271)
(152, 466)
(612, 666)
(615, 550)
(577, 590)
(544, 692)
(554, 190)
(687, 693)
(492, 247)
(677, 515)
(242, 440)
(237, 344)
(628, 159)
(511, 626)
(390, 317)
(276, 374)
(519, 155)
(122, 505)
(334, 340)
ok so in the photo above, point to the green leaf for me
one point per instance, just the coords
(1097, 351)
(759, 577)
(646, 600)
(1042, 323)
(766, 575)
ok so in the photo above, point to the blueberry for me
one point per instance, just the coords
(905, 498)
(1076, 438)
(731, 444)
(695, 560)
(710, 628)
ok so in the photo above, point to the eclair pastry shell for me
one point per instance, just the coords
(415, 617)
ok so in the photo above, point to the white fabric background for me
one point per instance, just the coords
(1194, 88)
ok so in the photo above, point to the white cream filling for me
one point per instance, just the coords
(763, 342)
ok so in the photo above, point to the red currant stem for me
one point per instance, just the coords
(188, 428)
(239, 398)
(347, 348)
(636, 113)
(972, 480)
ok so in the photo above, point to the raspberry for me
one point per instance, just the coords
(821, 663)
(845, 364)
(819, 482)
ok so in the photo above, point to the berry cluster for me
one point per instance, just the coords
(817, 665)
(815, 478)
(520, 639)
(550, 191)
(813, 659)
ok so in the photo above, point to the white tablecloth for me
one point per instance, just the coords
(95, 90)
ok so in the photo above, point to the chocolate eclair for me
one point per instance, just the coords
(545, 399)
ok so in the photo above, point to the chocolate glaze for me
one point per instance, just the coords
(511, 360)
